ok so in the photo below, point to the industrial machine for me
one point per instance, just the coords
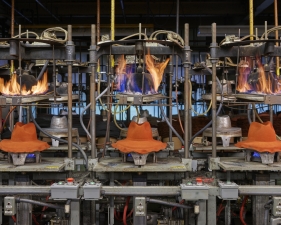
(141, 175)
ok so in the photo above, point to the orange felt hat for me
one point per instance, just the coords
(139, 139)
(23, 139)
(262, 138)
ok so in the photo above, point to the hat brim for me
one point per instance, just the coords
(141, 147)
(26, 146)
(272, 147)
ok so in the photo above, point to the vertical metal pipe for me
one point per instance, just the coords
(177, 16)
(265, 30)
(276, 35)
(170, 95)
(12, 29)
(251, 18)
(214, 91)
(271, 113)
(111, 201)
(98, 20)
(187, 103)
(112, 20)
(69, 92)
(93, 91)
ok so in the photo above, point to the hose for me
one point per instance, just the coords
(125, 210)
(170, 125)
(59, 139)
(242, 210)
(157, 201)
(82, 113)
(33, 202)
(43, 70)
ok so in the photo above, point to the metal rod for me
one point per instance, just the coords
(69, 92)
(187, 103)
(214, 96)
(265, 30)
(271, 113)
(93, 92)
(276, 35)
(177, 16)
(251, 19)
(112, 20)
(111, 200)
(170, 96)
(98, 20)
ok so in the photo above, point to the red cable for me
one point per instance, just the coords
(181, 202)
(242, 210)
(130, 213)
(14, 219)
(35, 220)
(125, 211)
(116, 216)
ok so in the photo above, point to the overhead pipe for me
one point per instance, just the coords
(47, 10)
(14, 10)
(251, 19)
(112, 26)
(276, 35)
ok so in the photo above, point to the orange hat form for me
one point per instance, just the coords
(262, 138)
(139, 139)
(23, 139)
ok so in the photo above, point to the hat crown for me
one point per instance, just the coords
(59, 122)
(140, 132)
(24, 132)
(263, 132)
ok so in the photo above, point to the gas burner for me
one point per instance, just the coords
(19, 159)
(263, 157)
(124, 98)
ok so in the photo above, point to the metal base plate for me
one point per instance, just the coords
(239, 164)
(225, 98)
(142, 98)
(162, 165)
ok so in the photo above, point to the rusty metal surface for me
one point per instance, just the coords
(47, 165)
(162, 165)
(231, 132)
(27, 99)
(239, 164)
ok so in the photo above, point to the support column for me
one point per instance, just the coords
(201, 219)
(75, 212)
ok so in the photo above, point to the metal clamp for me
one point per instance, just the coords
(214, 163)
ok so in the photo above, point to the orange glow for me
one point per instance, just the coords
(261, 82)
(155, 69)
(12, 87)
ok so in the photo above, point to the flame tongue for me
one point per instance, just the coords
(260, 81)
(29, 85)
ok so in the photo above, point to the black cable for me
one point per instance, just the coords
(33, 202)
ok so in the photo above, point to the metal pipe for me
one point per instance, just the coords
(174, 204)
(47, 10)
(251, 19)
(214, 91)
(276, 35)
(93, 91)
(112, 20)
(170, 96)
(111, 200)
(69, 93)
(43, 70)
(98, 20)
(177, 16)
(24, 190)
(187, 103)
(33, 202)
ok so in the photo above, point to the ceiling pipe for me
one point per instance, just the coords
(17, 11)
(123, 10)
(47, 10)
(251, 19)
(112, 20)
(276, 36)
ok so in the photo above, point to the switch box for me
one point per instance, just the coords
(276, 206)
(140, 206)
(65, 190)
(228, 191)
(9, 206)
(194, 192)
(92, 190)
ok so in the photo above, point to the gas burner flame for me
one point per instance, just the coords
(262, 80)
(135, 80)
(29, 85)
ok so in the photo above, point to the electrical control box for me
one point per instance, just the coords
(9, 206)
(65, 190)
(192, 191)
(140, 206)
(276, 206)
(228, 191)
(92, 190)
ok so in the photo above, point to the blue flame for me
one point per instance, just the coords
(255, 154)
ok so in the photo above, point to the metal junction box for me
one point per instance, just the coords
(92, 190)
(228, 191)
(64, 190)
(9, 206)
(194, 192)
(276, 206)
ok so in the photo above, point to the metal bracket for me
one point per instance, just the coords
(137, 100)
(69, 164)
(122, 100)
(16, 100)
(187, 163)
(92, 163)
(214, 163)
(170, 145)
(272, 99)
